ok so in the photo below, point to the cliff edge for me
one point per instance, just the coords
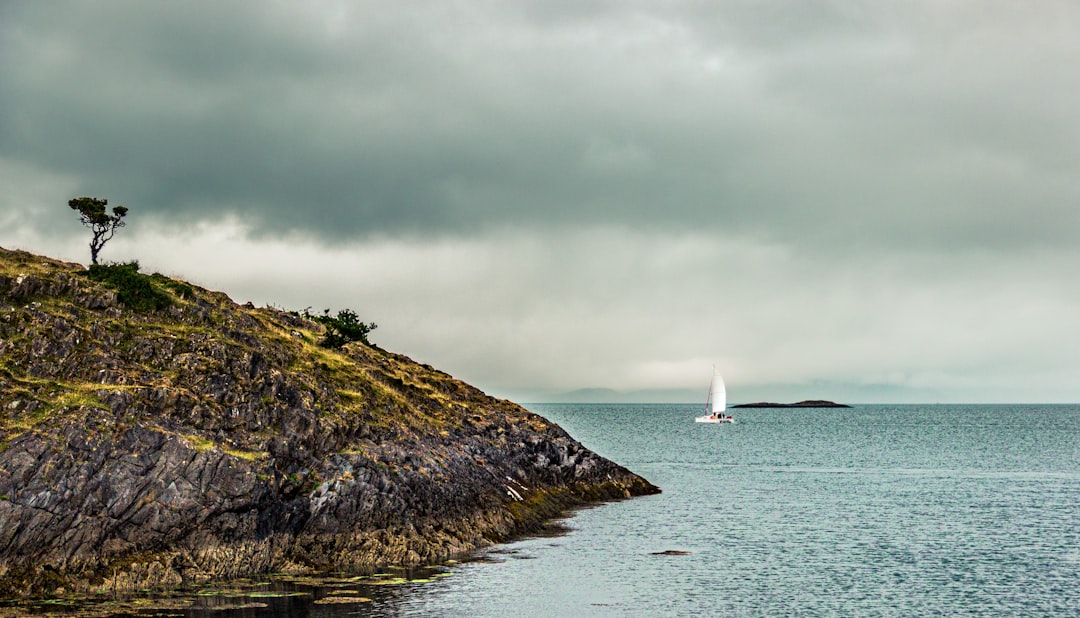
(205, 439)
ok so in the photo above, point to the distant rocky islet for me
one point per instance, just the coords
(809, 403)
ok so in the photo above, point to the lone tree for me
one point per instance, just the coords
(103, 225)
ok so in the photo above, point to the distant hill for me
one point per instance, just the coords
(608, 395)
(809, 403)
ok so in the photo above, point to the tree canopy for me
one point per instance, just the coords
(102, 225)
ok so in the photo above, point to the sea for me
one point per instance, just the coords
(874, 510)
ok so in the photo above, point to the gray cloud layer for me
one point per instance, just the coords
(877, 159)
(948, 123)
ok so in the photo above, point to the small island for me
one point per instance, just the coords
(809, 403)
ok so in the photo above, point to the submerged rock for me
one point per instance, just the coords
(212, 440)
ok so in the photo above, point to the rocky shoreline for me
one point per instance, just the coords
(208, 440)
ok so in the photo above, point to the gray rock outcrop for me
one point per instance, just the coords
(211, 440)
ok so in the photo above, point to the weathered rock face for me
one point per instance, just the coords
(210, 439)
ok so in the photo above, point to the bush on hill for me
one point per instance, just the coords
(343, 328)
(135, 290)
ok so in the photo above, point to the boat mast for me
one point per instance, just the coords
(708, 398)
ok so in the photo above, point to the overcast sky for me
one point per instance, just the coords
(861, 201)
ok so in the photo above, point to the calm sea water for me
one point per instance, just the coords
(871, 511)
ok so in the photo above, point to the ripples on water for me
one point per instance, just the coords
(871, 511)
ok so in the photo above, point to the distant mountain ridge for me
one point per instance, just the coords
(609, 395)
(662, 396)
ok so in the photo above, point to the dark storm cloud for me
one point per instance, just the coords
(817, 120)
(296, 118)
(547, 195)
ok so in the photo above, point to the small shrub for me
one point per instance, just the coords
(134, 289)
(344, 328)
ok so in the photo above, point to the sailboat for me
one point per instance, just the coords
(716, 402)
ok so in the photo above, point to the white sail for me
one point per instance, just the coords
(718, 394)
(716, 403)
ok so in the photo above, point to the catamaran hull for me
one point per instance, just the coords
(706, 419)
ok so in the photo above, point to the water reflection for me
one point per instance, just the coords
(376, 595)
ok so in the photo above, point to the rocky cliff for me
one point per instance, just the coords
(206, 439)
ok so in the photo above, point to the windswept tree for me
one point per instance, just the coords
(102, 224)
